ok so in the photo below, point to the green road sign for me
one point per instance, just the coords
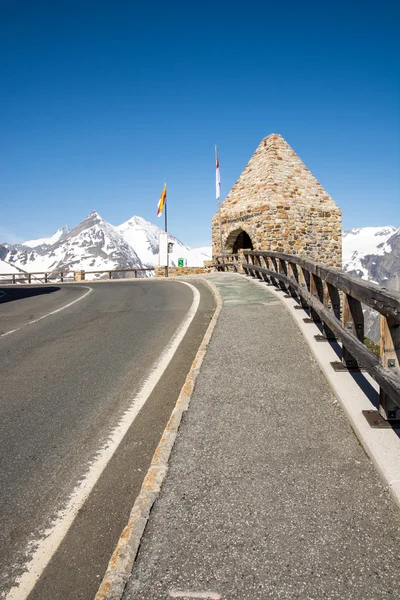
(181, 262)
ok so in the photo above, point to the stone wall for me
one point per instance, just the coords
(181, 271)
(282, 207)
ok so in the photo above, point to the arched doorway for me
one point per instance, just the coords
(242, 241)
(237, 240)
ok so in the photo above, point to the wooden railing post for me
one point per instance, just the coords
(299, 277)
(61, 276)
(29, 278)
(240, 260)
(235, 266)
(353, 321)
(250, 261)
(332, 303)
(13, 278)
(317, 290)
(287, 269)
(279, 283)
(283, 269)
(390, 357)
(257, 263)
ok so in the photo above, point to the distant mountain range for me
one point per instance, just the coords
(96, 244)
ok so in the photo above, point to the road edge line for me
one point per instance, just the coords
(47, 545)
(123, 558)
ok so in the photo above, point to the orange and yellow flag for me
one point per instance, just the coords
(162, 200)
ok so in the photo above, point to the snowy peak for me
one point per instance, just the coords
(47, 241)
(143, 237)
(364, 241)
(373, 253)
(92, 220)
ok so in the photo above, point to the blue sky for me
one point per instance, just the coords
(102, 100)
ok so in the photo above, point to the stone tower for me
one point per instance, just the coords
(278, 205)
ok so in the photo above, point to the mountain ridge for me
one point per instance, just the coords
(94, 243)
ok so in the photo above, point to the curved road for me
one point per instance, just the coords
(66, 382)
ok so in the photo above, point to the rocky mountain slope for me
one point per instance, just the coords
(373, 253)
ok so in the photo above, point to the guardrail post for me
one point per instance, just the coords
(250, 262)
(299, 277)
(314, 288)
(13, 278)
(257, 263)
(286, 268)
(235, 263)
(332, 303)
(353, 321)
(29, 278)
(240, 260)
(390, 355)
(109, 274)
(278, 283)
(317, 291)
(135, 273)
(263, 263)
(45, 277)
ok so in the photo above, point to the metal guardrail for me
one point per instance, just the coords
(335, 299)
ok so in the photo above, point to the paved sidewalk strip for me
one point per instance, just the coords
(268, 493)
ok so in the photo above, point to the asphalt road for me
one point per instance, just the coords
(66, 381)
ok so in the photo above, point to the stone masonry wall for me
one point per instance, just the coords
(181, 271)
(282, 207)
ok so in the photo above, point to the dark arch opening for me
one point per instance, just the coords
(243, 241)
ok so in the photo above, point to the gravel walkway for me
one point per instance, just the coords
(268, 494)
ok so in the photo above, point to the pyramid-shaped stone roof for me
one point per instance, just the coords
(276, 175)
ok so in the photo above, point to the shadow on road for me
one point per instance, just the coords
(9, 294)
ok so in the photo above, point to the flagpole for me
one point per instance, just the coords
(219, 205)
(166, 228)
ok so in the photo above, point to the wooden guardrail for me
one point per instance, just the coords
(38, 277)
(335, 299)
(63, 276)
(226, 262)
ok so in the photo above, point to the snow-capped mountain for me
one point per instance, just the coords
(373, 253)
(362, 242)
(143, 237)
(93, 244)
(96, 244)
(47, 241)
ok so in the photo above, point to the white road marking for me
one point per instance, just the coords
(205, 595)
(53, 312)
(46, 547)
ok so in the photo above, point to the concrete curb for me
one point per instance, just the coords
(121, 563)
(381, 445)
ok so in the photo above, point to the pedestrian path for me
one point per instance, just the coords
(269, 493)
